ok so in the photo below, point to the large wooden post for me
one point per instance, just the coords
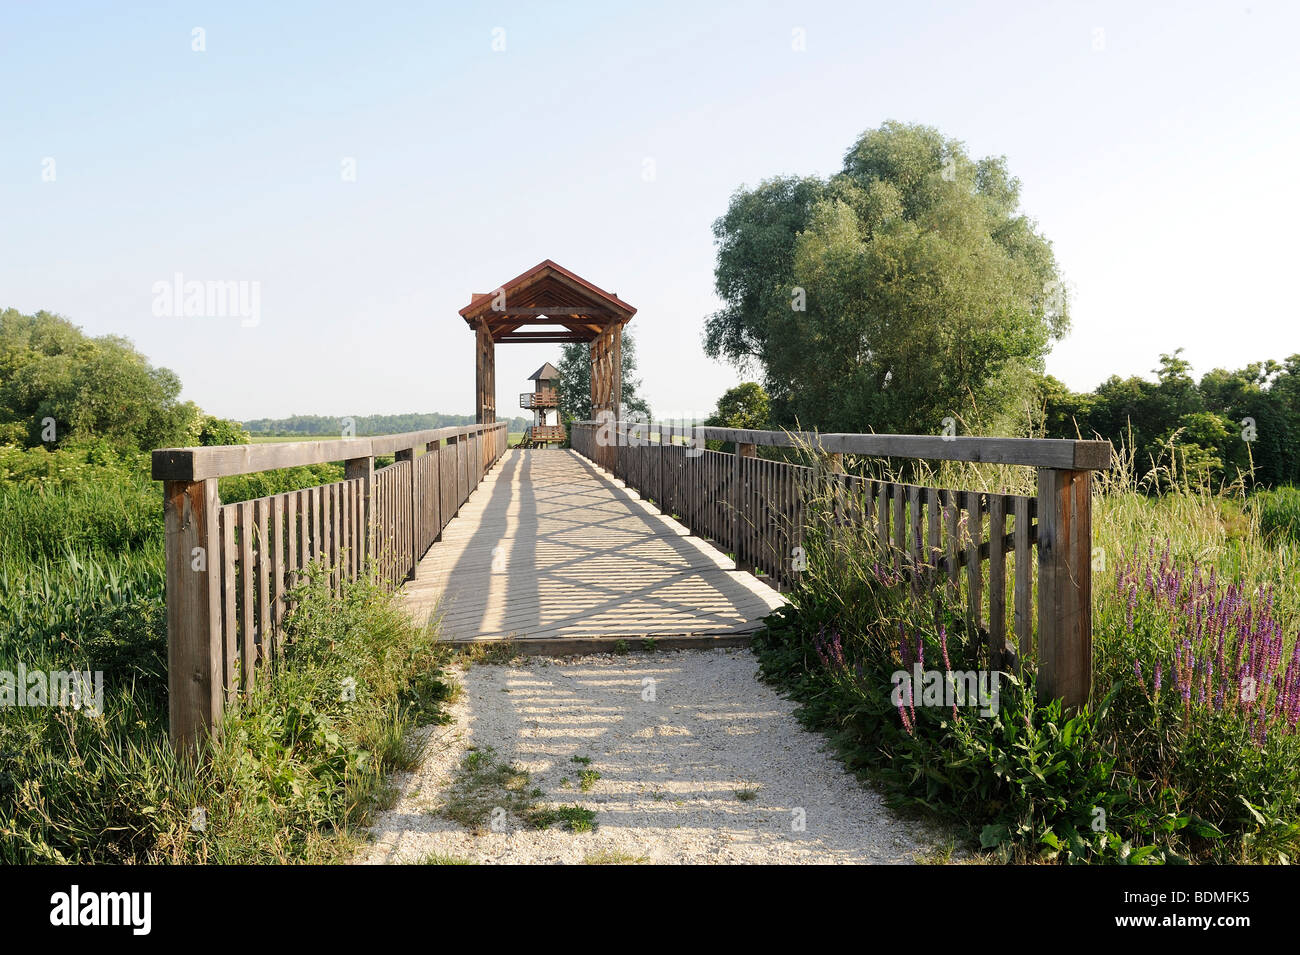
(1064, 586)
(616, 371)
(194, 651)
(364, 468)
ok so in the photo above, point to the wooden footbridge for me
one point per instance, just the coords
(636, 530)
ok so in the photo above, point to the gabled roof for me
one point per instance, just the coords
(527, 307)
(547, 372)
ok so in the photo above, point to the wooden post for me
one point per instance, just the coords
(195, 662)
(1064, 586)
(413, 490)
(737, 502)
(616, 372)
(364, 468)
(435, 508)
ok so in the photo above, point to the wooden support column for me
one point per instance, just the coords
(603, 390)
(738, 515)
(485, 364)
(1064, 586)
(616, 371)
(195, 658)
(364, 468)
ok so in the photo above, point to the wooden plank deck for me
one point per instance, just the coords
(556, 554)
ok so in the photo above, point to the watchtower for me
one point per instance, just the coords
(544, 400)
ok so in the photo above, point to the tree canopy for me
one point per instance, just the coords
(575, 382)
(906, 288)
(1229, 422)
(59, 386)
(744, 406)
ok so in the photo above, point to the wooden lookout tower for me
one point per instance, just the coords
(543, 400)
(548, 304)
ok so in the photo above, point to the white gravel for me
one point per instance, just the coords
(671, 755)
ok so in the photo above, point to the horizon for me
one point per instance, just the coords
(1153, 148)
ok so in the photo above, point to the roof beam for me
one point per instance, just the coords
(565, 310)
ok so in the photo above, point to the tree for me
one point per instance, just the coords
(575, 383)
(744, 406)
(1230, 422)
(218, 431)
(54, 379)
(902, 290)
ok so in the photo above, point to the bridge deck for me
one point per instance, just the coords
(551, 549)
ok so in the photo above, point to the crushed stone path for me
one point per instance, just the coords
(698, 762)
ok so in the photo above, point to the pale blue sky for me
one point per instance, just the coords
(1162, 165)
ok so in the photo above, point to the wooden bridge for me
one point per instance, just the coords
(637, 530)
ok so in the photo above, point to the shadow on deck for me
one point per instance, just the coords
(554, 553)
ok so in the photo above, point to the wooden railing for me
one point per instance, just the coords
(756, 509)
(230, 567)
(546, 398)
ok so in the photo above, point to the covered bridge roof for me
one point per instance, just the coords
(547, 304)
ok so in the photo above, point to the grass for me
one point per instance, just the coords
(296, 770)
(435, 858)
(499, 652)
(295, 774)
(614, 857)
(486, 792)
(1278, 512)
(573, 818)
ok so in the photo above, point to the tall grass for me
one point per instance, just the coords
(297, 767)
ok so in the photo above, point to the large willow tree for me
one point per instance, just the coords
(906, 288)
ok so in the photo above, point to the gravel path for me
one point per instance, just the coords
(674, 737)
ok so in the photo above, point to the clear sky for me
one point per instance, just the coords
(1157, 145)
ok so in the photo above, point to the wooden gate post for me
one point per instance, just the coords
(364, 468)
(194, 650)
(1064, 586)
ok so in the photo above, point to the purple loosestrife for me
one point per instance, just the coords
(902, 712)
(947, 664)
(1218, 631)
